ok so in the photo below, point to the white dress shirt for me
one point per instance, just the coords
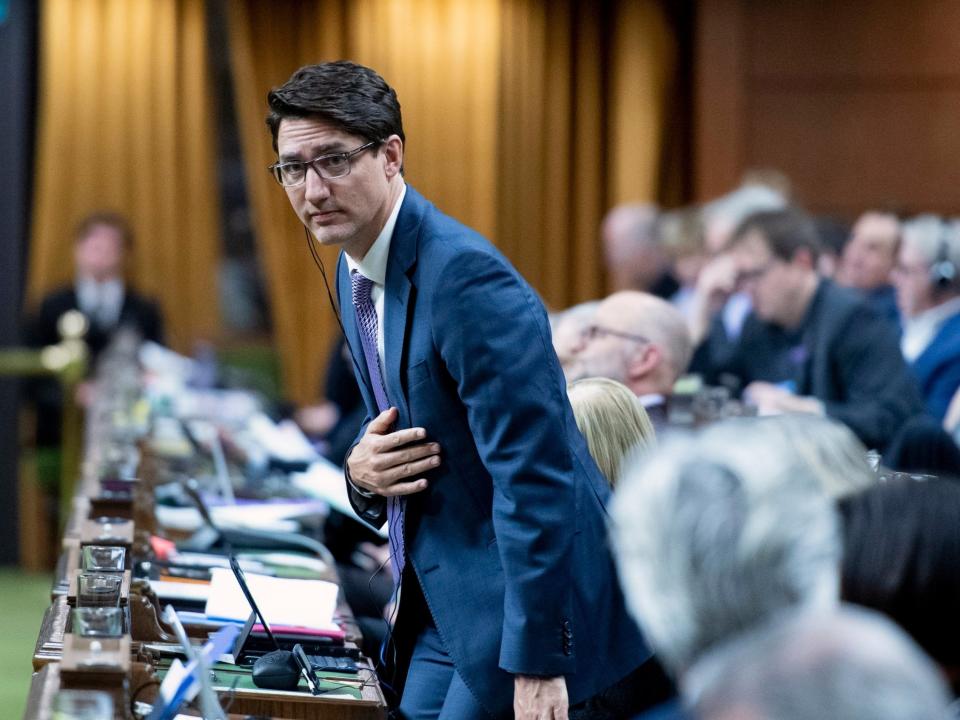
(374, 266)
(101, 302)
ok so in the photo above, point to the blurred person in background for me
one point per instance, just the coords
(681, 236)
(567, 329)
(833, 234)
(927, 280)
(100, 291)
(901, 557)
(869, 258)
(810, 346)
(613, 422)
(717, 531)
(828, 448)
(717, 310)
(632, 253)
(851, 664)
(638, 340)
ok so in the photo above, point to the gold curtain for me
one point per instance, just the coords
(584, 89)
(525, 120)
(125, 123)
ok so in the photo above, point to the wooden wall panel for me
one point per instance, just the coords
(857, 101)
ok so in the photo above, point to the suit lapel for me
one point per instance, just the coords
(397, 306)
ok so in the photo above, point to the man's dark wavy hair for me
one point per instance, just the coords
(350, 97)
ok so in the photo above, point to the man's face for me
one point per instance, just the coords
(770, 282)
(99, 254)
(870, 255)
(601, 353)
(349, 210)
(911, 277)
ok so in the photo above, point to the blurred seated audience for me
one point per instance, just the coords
(682, 240)
(923, 446)
(828, 448)
(717, 311)
(613, 422)
(851, 664)
(717, 531)
(927, 278)
(632, 252)
(638, 340)
(567, 328)
(868, 261)
(833, 234)
(810, 346)
(100, 291)
(902, 557)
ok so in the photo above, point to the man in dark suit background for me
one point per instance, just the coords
(810, 345)
(100, 292)
(496, 513)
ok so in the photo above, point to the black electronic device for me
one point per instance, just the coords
(943, 272)
(277, 670)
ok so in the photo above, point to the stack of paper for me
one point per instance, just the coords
(283, 601)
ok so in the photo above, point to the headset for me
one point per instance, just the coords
(943, 272)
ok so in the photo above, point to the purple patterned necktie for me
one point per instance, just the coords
(367, 320)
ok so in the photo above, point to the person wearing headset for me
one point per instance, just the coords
(927, 279)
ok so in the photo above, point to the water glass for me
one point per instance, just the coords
(103, 558)
(97, 622)
(98, 590)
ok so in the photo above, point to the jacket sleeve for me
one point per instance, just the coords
(881, 392)
(492, 335)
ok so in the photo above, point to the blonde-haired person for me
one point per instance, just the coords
(612, 420)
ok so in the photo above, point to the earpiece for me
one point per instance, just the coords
(943, 272)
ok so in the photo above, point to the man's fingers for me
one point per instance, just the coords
(410, 469)
(394, 440)
(381, 424)
(405, 488)
(411, 453)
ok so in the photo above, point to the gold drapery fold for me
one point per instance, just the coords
(125, 123)
(525, 120)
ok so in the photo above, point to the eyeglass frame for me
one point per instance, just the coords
(348, 155)
(591, 332)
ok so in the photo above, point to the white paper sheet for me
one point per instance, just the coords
(283, 601)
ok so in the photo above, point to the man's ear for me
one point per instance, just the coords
(393, 155)
(643, 361)
(804, 258)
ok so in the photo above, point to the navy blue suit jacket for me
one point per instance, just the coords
(937, 369)
(509, 540)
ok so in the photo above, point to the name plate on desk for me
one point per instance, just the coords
(107, 531)
(83, 655)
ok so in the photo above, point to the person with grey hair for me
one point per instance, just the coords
(829, 449)
(567, 328)
(851, 664)
(927, 280)
(715, 531)
(638, 340)
(632, 252)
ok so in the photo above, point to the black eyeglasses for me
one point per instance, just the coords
(329, 167)
(592, 332)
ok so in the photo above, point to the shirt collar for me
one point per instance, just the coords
(651, 399)
(374, 263)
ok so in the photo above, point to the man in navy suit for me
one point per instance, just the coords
(496, 514)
